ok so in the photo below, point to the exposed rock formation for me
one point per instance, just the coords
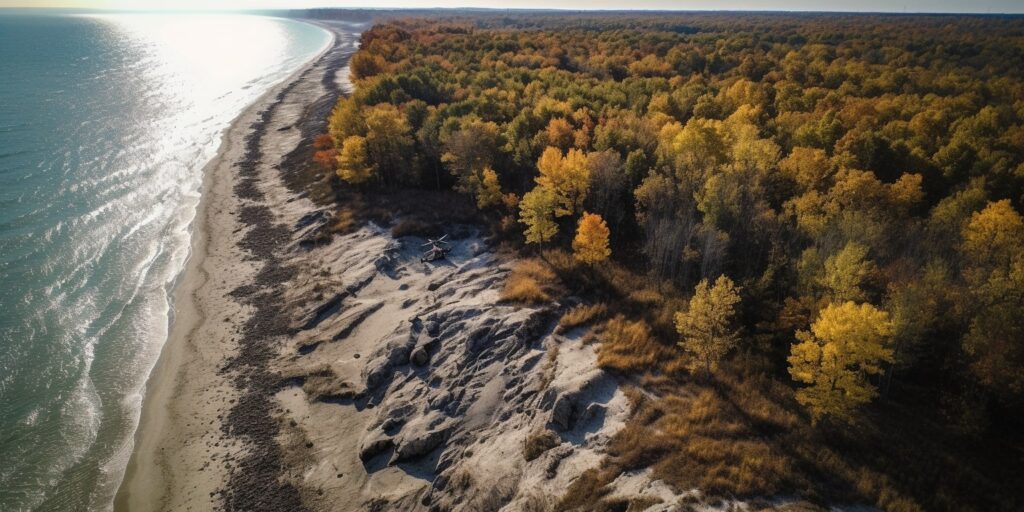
(417, 389)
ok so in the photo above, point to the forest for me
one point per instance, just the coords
(797, 238)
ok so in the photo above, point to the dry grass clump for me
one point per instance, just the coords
(585, 493)
(530, 282)
(581, 315)
(629, 346)
(344, 221)
(621, 290)
(539, 442)
(322, 383)
(647, 296)
(589, 493)
(705, 441)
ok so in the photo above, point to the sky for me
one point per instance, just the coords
(957, 6)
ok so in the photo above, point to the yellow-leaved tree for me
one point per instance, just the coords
(707, 326)
(353, 162)
(537, 212)
(568, 177)
(389, 144)
(346, 120)
(591, 243)
(847, 343)
(809, 168)
(993, 237)
(846, 273)
(490, 189)
(993, 253)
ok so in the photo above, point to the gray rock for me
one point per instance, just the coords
(554, 459)
(417, 444)
(420, 356)
(432, 327)
(373, 444)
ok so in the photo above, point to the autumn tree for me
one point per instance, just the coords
(591, 243)
(325, 155)
(468, 151)
(346, 120)
(353, 162)
(537, 212)
(365, 65)
(846, 274)
(567, 177)
(993, 249)
(489, 193)
(809, 168)
(559, 133)
(845, 345)
(707, 326)
(693, 150)
(994, 237)
(389, 145)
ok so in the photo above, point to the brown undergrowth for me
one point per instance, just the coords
(741, 433)
(408, 212)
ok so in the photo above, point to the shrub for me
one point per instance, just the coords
(531, 282)
(539, 442)
(581, 315)
(344, 221)
(629, 346)
(586, 491)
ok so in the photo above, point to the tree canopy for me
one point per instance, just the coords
(859, 178)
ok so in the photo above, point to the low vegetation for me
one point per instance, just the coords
(531, 282)
(583, 314)
(539, 442)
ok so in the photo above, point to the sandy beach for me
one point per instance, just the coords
(182, 454)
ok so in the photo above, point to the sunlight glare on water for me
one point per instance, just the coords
(106, 123)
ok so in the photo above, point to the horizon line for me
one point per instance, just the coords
(514, 9)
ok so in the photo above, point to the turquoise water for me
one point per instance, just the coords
(105, 124)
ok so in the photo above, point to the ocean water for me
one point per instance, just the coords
(106, 122)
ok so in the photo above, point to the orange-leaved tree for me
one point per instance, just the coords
(591, 243)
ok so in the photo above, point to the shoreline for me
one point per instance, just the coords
(154, 480)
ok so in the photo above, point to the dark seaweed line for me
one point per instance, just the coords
(255, 480)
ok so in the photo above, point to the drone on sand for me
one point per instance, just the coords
(438, 249)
